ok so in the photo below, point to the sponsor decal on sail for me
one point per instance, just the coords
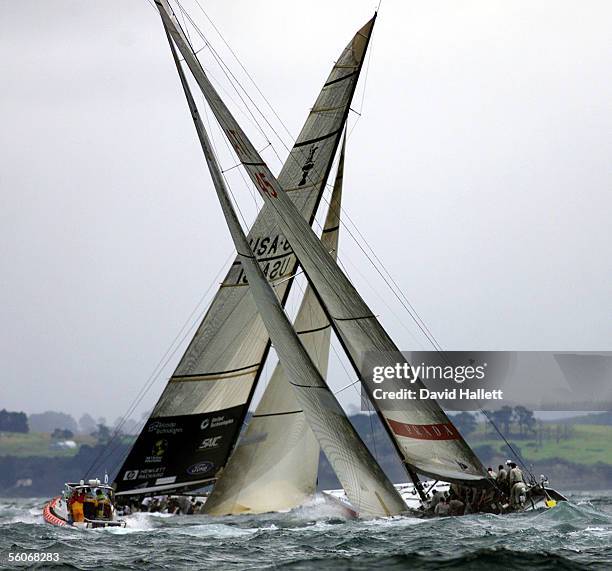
(159, 427)
(200, 468)
(159, 449)
(165, 481)
(188, 446)
(442, 431)
(212, 442)
(274, 254)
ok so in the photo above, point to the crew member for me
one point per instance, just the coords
(103, 507)
(89, 505)
(435, 500)
(516, 484)
(75, 505)
(502, 479)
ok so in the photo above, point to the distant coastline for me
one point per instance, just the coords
(575, 453)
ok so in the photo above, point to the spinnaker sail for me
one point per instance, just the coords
(274, 466)
(424, 435)
(207, 397)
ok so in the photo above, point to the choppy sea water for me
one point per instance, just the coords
(574, 535)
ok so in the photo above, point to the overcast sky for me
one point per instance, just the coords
(479, 172)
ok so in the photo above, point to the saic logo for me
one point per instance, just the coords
(130, 475)
(200, 468)
(211, 442)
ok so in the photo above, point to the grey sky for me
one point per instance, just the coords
(479, 173)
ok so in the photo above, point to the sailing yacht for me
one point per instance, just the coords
(194, 438)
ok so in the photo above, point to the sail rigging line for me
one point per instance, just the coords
(225, 67)
(161, 365)
(407, 305)
(228, 72)
(516, 453)
(248, 186)
(405, 302)
(291, 136)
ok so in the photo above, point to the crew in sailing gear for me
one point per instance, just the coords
(491, 473)
(515, 476)
(502, 479)
(75, 505)
(516, 484)
(89, 505)
(103, 506)
(519, 492)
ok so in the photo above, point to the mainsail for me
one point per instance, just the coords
(363, 480)
(197, 419)
(274, 466)
(426, 438)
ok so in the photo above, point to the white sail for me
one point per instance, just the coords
(274, 467)
(208, 395)
(426, 438)
(364, 482)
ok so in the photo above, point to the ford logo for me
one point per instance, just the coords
(200, 468)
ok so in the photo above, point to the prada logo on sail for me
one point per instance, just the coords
(442, 431)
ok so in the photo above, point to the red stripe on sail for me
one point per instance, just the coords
(444, 431)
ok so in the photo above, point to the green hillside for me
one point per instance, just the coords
(37, 444)
(582, 444)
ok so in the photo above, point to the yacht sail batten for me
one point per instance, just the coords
(320, 137)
